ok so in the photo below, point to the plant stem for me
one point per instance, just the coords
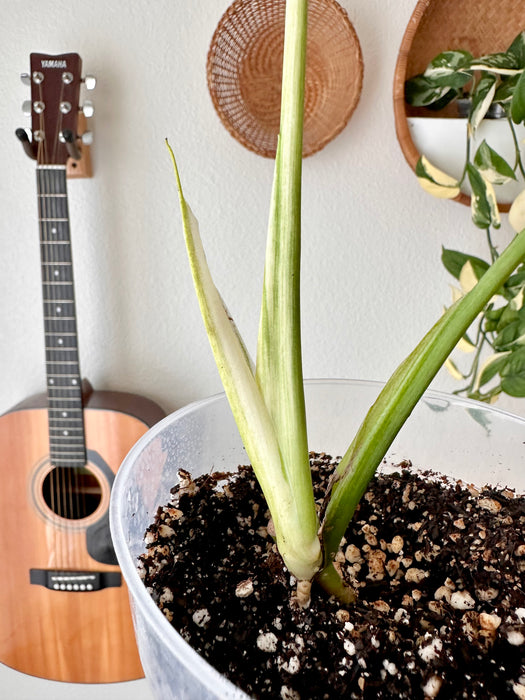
(518, 162)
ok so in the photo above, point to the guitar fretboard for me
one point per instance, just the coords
(64, 390)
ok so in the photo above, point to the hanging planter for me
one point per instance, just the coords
(480, 27)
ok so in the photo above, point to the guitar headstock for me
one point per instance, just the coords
(54, 108)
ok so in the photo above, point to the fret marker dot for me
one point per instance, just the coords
(59, 309)
(51, 381)
(60, 341)
(64, 414)
(74, 381)
(56, 273)
(54, 230)
(65, 432)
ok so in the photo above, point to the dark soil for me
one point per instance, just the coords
(438, 566)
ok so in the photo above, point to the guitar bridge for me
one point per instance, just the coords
(75, 581)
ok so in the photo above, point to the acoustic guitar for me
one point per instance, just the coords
(64, 609)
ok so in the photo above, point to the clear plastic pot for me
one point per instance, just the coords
(460, 438)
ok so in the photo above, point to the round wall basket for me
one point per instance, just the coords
(480, 26)
(244, 72)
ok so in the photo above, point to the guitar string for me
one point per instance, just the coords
(63, 256)
(75, 486)
(51, 305)
(41, 160)
(65, 472)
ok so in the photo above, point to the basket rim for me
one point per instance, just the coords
(357, 64)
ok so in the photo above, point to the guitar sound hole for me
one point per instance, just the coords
(71, 493)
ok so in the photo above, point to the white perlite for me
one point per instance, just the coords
(430, 651)
(489, 622)
(292, 666)
(267, 641)
(519, 690)
(244, 588)
(390, 667)
(414, 575)
(515, 637)
(201, 617)
(432, 687)
(349, 647)
(462, 600)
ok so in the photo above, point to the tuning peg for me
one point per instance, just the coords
(29, 146)
(26, 108)
(88, 109)
(90, 82)
(87, 138)
(25, 78)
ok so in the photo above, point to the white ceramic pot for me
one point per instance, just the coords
(444, 142)
(458, 437)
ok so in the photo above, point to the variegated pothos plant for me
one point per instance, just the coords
(267, 398)
(496, 342)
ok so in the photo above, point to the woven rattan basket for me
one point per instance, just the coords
(244, 71)
(480, 26)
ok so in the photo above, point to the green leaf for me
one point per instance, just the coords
(502, 63)
(492, 366)
(505, 89)
(454, 261)
(512, 334)
(513, 374)
(482, 99)
(492, 166)
(517, 49)
(517, 105)
(483, 204)
(507, 316)
(421, 92)
(450, 69)
(516, 282)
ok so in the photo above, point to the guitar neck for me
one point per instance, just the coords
(64, 385)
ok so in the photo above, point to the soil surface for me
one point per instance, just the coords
(439, 569)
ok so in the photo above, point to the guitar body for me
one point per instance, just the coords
(77, 635)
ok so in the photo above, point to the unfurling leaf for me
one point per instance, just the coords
(435, 181)
(517, 213)
(492, 166)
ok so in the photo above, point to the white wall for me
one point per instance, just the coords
(373, 282)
